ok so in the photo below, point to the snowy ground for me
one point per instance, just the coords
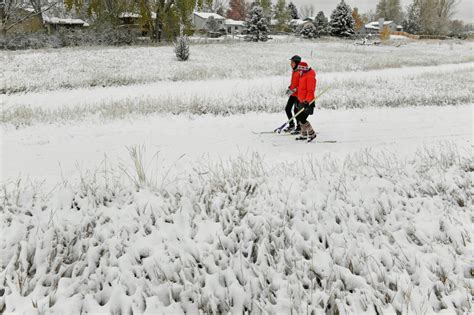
(59, 150)
(111, 203)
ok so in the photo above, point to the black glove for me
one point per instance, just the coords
(308, 108)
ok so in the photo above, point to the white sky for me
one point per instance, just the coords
(465, 8)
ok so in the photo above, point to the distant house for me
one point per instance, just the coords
(376, 26)
(297, 24)
(54, 23)
(234, 27)
(32, 22)
(199, 20)
(131, 20)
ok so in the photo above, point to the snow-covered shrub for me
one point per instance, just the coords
(385, 34)
(309, 31)
(181, 48)
(66, 38)
(369, 233)
(30, 41)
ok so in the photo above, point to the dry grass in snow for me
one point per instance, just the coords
(367, 233)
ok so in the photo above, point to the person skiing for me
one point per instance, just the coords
(305, 93)
(292, 92)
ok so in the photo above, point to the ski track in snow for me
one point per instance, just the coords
(96, 96)
(53, 152)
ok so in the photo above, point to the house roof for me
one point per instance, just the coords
(206, 15)
(130, 15)
(297, 22)
(234, 22)
(57, 20)
(134, 15)
(376, 23)
(369, 26)
(60, 21)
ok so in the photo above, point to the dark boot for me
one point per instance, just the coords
(310, 132)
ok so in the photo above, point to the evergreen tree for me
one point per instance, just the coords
(282, 15)
(181, 48)
(321, 23)
(412, 22)
(257, 25)
(309, 31)
(342, 23)
(293, 11)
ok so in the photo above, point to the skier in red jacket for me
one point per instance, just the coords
(305, 94)
(292, 91)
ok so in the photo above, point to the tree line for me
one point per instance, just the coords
(165, 19)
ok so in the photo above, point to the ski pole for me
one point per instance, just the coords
(279, 129)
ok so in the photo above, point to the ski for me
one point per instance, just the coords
(275, 133)
(271, 133)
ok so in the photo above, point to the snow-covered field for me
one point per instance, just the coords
(135, 183)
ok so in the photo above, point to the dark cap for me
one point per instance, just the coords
(296, 59)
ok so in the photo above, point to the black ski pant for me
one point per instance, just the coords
(302, 118)
(290, 109)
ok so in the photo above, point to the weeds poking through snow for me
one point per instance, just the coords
(229, 237)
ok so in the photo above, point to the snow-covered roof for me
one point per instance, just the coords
(134, 15)
(234, 22)
(206, 15)
(369, 26)
(297, 22)
(376, 23)
(130, 15)
(56, 20)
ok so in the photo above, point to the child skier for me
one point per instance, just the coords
(305, 94)
(292, 92)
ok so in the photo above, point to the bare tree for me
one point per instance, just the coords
(436, 15)
(446, 8)
(9, 12)
(306, 11)
(220, 6)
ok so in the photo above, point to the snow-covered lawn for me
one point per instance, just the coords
(157, 194)
(54, 151)
(397, 87)
(90, 67)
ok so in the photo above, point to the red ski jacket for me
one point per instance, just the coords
(295, 78)
(307, 86)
